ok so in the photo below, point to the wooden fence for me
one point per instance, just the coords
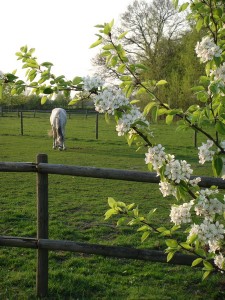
(20, 114)
(42, 244)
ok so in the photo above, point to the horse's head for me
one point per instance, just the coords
(59, 142)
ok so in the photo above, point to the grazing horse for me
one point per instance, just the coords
(58, 122)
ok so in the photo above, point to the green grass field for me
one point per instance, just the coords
(76, 212)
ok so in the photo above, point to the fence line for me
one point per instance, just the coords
(95, 172)
(42, 244)
(69, 113)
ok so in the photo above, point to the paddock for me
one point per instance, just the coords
(76, 213)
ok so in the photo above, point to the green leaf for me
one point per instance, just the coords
(121, 221)
(199, 24)
(169, 119)
(198, 88)
(172, 243)
(136, 212)
(144, 236)
(220, 127)
(105, 53)
(108, 47)
(141, 66)
(150, 214)
(134, 101)
(48, 91)
(185, 246)
(121, 68)
(122, 35)
(183, 6)
(200, 252)
(95, 44)
(130, 206)
(148, 107)
(161, 82)
(161, 229)
(205, 275)
(175, 3)
(11, 77)
(217, 165)
(192, 238)
(47, 64)
(109, 213)
(77, 80)
(142, 228)
(111, 202)
(74, 101)
(196, 262)
(154, 113)
(43, 99)
(170, 255)
(207, 266)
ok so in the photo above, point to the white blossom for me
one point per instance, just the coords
(204, 153)
(195, 181)
(178, 170)
(167, 189)
(219, 74)
(207, 49)
(208, 233)
(128, 119)
(91, 83)
(156, 156)
(208, 207)
(109, 100)
(219, 261)
(181, 213)
(208, 192)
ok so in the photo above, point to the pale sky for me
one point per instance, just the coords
(60, 31)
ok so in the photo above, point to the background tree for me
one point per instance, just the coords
(163, 40)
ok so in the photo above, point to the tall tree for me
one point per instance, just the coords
(162, 39)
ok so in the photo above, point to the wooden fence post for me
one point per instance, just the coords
(21, 122)
(96, 127)
(42, 229)
(195, 139)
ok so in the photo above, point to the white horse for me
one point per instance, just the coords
(58, 120)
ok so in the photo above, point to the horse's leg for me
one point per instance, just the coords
(63, 139)
(54, 137)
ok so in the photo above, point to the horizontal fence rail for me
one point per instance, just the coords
(94, 172)
(87, 248)
(42, 244)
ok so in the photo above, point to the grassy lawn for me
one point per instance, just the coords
(76, 212)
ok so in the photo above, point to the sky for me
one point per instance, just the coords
(60, 31)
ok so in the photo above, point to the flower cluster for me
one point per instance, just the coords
(178, 171)
(181, 213)
(132, 118)
(175, 170)
(156, 157)
(219, 75)
(167, 189)
(92, 83)
(209, 207)
(219, 261)
(109, 100)
(204, 153)
(208, 234)
(207, 49)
